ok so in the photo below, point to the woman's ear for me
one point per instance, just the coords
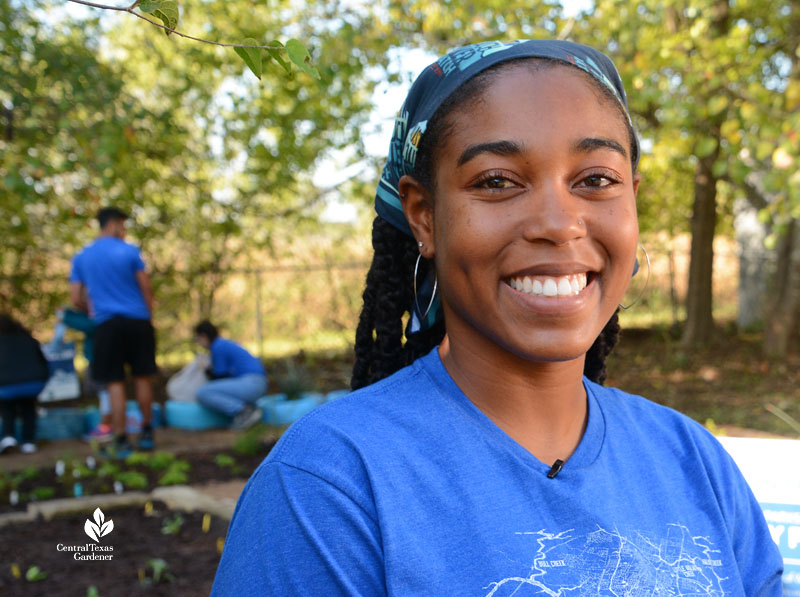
(418, 209)
(637, 178)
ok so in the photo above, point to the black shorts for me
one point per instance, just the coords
(120, 341)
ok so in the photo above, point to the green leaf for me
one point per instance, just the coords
(251, 56)
(166, 10)
(276, 55)
(705, 147)
(300, 56)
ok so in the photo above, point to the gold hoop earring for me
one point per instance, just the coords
(646, 281)
(433, 294)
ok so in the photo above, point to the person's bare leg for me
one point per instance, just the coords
(116, 392)
(144, 395)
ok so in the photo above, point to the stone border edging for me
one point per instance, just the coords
(177, 497)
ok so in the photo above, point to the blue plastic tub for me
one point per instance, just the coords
(193, 415)
(59, 423)
(336, 394)
(286, 412)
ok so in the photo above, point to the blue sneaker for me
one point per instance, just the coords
(120, 448)
(146, 441)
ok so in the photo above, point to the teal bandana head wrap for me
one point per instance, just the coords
(433, 86)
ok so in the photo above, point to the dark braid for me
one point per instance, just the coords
(595, 365)
(388, 295)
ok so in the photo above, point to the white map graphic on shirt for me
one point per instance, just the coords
(605, 562)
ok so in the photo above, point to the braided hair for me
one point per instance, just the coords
(382, 345)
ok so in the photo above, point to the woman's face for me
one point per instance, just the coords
(534, 225)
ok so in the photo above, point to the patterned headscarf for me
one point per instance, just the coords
(434, 85)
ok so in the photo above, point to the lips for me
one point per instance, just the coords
(549, 286)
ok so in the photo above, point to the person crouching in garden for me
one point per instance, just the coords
(237, 378)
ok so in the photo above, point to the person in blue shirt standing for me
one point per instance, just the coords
(238, 378)
(109, 280)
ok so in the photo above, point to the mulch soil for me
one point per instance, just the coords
(190, 555)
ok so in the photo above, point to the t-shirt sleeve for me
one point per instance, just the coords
(294, 533)
(75, 274)
(137, 263)
(759, 559)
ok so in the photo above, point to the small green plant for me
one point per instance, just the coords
(295, 380)
(43, 493)
(160, 572)
(250, 442)
(160, 461)
(29, 472)
(172, 526)
(132, 479)
(92, 592)
(34, 573)
(157, 461)
(176, 473)
(138, 459)
(108, 469)
(223, 460)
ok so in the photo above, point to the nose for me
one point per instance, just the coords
(553, 214)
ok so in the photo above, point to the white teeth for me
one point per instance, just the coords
(550, 286)
(527, 285)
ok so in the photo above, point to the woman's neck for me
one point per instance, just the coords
(542, 406)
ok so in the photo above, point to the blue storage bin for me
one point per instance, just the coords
(265, 402)
(133, 417)
(285, 412)
(59, 423)
(193, 415)
(336, 394)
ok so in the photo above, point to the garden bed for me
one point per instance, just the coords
(156, 551)
(142, 471)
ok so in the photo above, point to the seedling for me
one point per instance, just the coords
(224, 460)
(132, 479)
(172, 526)
(43, 493)
(160, 572)
(34, 573)
(176, 474)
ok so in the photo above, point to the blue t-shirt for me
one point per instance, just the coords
(228, 359)
(407, 488)
(108, 268)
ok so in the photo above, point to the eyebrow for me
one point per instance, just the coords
(592, 143)
(496, 147)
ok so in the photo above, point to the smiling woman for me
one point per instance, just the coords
(481, 454)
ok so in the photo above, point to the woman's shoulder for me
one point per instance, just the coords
(654, 423)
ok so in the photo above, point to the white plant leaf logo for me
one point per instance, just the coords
(100, 527)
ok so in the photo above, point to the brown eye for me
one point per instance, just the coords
(596, 181)
(495, 183)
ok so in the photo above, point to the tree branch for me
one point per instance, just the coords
(129, 9)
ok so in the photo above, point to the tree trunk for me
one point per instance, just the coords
(699, 317)
(784, 318)
(756, 265)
